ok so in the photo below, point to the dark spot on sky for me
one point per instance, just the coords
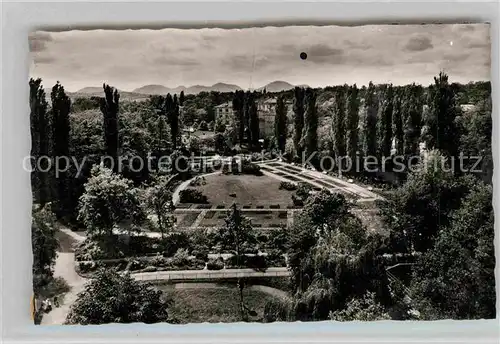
(303, 55)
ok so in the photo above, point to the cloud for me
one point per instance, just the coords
(43, 59)
(38, 41)
(247, 62)
(355, 45)
(321, 53)
(457, 57)
(419, 43)
(336, 55)
(176, 61)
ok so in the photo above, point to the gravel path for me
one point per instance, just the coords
(65, 268)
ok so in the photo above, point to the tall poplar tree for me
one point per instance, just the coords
(440, 129)
(385, 139)
(109, 107)
(253, 123)
(339, 122)
(181, 98)
(309, 140)
(352, 125)
(298, 118)
(174, 121)
(412, 117)
(397, 123)
(280, 125)
(61, 106)
(39, 139)
(370, 127)
(238, 103)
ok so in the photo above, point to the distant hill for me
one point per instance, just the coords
(195, 89)
(152, 89)
(155, 89)
(278, 86)
(91, 90)
(222, 87)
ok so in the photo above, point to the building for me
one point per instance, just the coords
(224, 113)
(266, 110)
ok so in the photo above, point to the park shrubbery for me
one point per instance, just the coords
(288, 186)
(174, 242)
(248, 167)
(215, 264)
(275, 258)
(192, 196)
(253, 262)
(301, 194)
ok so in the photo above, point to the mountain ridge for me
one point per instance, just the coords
(157, 89)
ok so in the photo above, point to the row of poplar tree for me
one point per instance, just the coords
(388, 114)
(50, 137)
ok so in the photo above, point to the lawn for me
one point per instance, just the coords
(250, 191)
(213, 304)
(186, 219)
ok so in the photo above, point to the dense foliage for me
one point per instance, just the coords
(44, 244)
(114, 298)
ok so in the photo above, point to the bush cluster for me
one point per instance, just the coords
(258, 263)
(192, 196)
(215, 264)
(288, 186)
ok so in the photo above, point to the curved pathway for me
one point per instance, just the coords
(199, 275)
(185, 184)
(65, 268)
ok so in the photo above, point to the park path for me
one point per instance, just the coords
(65, 268)
(185, 184)
(198, 275)
(278, 167)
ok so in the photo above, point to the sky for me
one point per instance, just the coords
(253, 57)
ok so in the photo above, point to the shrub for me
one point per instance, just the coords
(303, 190)
(275, 259)
(181, 257)
(192, 196)
(254, 262)
(203, 126)
(301, 194)
(297, 200)
(173, 242)
(200, 255)
(262, 238)
(158, 261)
(278, 310)
(137, 264)
(215, 264)
(220, 127)
(87, 267)
(149, 269)
(288, 186)
(200, 241)
(248, 167)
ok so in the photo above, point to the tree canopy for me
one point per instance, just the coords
(113, 298)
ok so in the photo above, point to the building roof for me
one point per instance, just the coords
(273, 101)
(225, 105)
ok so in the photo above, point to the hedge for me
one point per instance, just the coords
(192, 196)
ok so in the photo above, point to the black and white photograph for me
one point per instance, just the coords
(261, 174)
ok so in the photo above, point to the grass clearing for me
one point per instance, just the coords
(250, 190)
(213, 305)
